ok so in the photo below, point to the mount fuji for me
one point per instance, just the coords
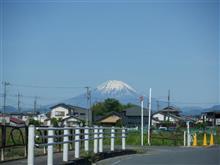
(112, 89)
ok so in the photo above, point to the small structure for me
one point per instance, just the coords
(111, 119)
(71, 121)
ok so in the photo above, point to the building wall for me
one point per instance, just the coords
(159, 116)
(59, 112)
(135, 121)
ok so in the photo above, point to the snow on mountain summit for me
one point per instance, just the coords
(115, 87)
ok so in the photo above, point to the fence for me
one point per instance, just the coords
(70, 135)
(13, 136)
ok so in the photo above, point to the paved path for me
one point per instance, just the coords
(150, 156)
(170, 156)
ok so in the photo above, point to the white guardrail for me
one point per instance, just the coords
(72, 135)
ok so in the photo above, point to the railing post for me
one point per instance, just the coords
(95, 139)
(123, 138)
(101, 139)
(113, 139)
(188, 134)
(50, 147)
(184, 138)
(45, 140)
(3, 142)
(65, 144)
(31, 137)
(86, 137)
(77, 141)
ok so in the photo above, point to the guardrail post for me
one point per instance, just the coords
(188, 135)
(123, 138)
(77, 141)
(184, 138)
(45, 140)
(31, 137)
(95, 139)
(101, 139)
(50, 147)
(65, 144)
(113, 139)
(86, 138)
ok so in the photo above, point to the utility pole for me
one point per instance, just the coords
(88, 99)
(168, 104)
(142, 120)
(35, 105)
(19, 102)
(4, 101)
(158, 105)
(168, 97)
(149, 119)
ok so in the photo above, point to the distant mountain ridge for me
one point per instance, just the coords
(122, 92)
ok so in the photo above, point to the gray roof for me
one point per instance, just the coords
(135, 111)
(171, 109)
(67, 106)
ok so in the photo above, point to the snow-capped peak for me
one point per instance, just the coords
(115, 86)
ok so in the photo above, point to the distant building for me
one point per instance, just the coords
(211, 118)
(132, 117)
(168, 114)
(12, 121)
(71, 121)
(62, 111)
(111, 119)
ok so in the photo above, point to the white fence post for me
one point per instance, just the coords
(31, 137)
(188, 135)
(112, 139)
(86, 136)
(123, 138)
(77, 141)
(184, 138)
(65, 144)
(101, 139)
(50, 147)
(95, 139)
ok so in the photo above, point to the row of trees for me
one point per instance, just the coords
(109, 105)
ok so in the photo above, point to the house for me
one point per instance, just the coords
(16, 114)
(41, 117)
(111, 119)
(132, 117)
(212, 118)
(62, 111)
(168, 114)
(71, 121)
(16, 122)
(12, 121)
(28, 115)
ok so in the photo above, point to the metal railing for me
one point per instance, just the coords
(13, 136)
(71, 135)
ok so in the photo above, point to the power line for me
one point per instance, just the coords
(52, 87)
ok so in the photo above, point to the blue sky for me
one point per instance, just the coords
(158, 44)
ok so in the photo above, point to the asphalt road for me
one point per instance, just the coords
(170, 156)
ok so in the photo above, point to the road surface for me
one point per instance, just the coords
(170, 156)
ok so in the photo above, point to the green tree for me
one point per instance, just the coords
(34, 122)
(55, 122)
(112, 105)
(109, 105)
